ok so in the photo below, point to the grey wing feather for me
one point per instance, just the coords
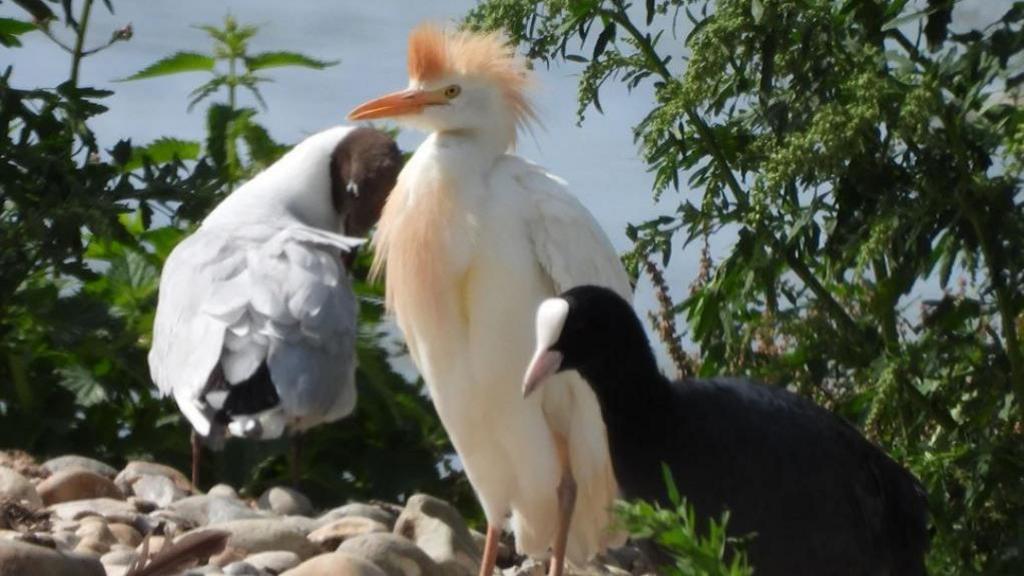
(259, 294)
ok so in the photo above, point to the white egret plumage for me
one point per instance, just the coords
(255, 326)
(471, 240)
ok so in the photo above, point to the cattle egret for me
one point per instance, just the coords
(817, 497)
(471, 240)
(255, 326)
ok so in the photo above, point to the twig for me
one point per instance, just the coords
(665, 324)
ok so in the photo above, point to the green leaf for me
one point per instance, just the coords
(80, 381)
(177, 63)
(283, 58)
(217, 118)
(162, 151)
(38, 9)
(205, 90)
(670, 485)
(11, 28)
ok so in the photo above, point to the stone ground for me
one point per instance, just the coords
(77, 516)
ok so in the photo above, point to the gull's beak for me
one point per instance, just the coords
(544, 364)
(402, 103)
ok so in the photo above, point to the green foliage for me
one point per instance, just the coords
(866, 157)
(84, 233)
(678, 533)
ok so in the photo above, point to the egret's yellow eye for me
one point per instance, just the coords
(452, 91)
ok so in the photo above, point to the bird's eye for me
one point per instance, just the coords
(452, 91)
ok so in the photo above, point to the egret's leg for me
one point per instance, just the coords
(196, 447)
(566, 505)
(490, 550)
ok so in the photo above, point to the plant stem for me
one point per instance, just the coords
(229, 141)
(76, 55)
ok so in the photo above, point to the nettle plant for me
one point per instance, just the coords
(864, 158)
(231, 127)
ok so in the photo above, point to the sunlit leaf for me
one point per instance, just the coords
(177, 63)
(161, 151)
(278, 59)
(79, 380)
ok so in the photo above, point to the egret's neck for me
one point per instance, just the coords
(482, 144)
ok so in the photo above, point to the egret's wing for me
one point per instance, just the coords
(567, 242)
(252, 295)
(572, 250)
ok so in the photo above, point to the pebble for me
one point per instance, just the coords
(263, 534)
(329, 536)
(21, 558)
(125, 534)
(285, 501)
(241, 568)
(76, 484)
(160, 490)
(223, 490)
(338, 564)
(439, 530)
(358, 509)
(116, 510)
(274, 561)
(119, 557)
(14, 486)
(395, 555)
(76, 462)
(205, 510)
(92, 546)
(138, 468)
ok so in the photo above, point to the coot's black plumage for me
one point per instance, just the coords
(821, 499)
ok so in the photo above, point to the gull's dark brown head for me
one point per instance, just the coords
(364, 168)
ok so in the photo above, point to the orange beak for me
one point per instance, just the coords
(402, 103)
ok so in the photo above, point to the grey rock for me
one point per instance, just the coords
(14, 486)
(274, 561)
(337, 564)
(161, 490)
(439, 530)
(17, 558)
(370, 511)
(285, 501)
(75, 462)
(264, 534)
(205, 509)
(392, 553)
